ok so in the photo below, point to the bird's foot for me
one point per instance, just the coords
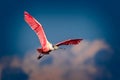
(39, 57)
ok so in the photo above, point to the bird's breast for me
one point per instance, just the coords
(48, 47)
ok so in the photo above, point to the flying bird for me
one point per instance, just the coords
(47, 47)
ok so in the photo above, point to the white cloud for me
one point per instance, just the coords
(1, 66)
(74, 64)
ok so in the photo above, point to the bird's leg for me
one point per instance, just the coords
(40, 56)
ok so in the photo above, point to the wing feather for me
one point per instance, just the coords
(37, 27)
(69, 42)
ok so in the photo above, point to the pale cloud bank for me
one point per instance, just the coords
(76, 63)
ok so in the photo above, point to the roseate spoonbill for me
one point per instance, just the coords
(46, 45)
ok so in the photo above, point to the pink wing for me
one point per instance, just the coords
(69, 42)
(37, 27)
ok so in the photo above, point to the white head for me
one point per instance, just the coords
(55, 47)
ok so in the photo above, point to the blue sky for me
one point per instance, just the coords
(61, 19)
(87, 19)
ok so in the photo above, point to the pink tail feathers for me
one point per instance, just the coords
(39, 50)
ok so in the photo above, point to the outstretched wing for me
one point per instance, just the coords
(69, 42)
(37, 27)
